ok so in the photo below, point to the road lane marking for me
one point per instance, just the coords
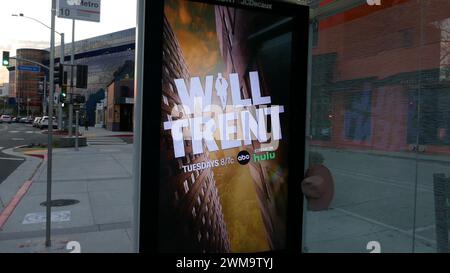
(366, 219)
(14, 132)
(17, 139)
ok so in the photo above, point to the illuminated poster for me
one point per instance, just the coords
(226, 81)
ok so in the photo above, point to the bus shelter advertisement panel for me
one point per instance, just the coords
(224, 141)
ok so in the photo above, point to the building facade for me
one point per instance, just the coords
(25, 83)
(120, 105)
(4, 90)
(5, 106)
(104, 55)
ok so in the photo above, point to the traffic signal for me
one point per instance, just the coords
(82, 76)
(59, 75)
(63, 95)
(5, 59)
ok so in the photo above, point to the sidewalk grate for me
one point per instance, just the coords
(61, 203)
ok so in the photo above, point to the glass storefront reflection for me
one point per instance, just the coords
(380, 100)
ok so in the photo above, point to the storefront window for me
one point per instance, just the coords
(379, 122)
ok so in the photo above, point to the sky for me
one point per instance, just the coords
(17, 32)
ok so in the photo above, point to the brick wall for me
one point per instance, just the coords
(397, 48)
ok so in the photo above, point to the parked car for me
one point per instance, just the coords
(23, 120)
(35, 122)
(44, 123)
(6, 118)
(29, 120)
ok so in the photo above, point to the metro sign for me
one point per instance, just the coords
(85, 10)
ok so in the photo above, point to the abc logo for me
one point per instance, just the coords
(243, 157)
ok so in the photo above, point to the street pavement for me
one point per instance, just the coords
(376, 200)
(13, 135)
(98, 178)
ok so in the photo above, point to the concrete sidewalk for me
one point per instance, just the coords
(99, 178)
(384, 197)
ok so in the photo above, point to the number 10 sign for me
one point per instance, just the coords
(85, 10)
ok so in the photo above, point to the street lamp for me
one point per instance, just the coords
(36, 20)
(48, 242)
(61, 59)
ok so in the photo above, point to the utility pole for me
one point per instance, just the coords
(48, 242)
(77, 118)
(44, 104)
(72, 62)
(61, 61)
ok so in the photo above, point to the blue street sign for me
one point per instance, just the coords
(29, 68)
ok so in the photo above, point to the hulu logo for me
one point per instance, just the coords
(264, 157)
(374, 2)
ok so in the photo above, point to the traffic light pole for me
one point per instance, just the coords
(48, 242)
(30, 61)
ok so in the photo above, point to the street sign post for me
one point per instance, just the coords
(84, 10)
(48, 242)
(80, 10)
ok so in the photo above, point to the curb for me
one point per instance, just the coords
(120, 136)
(7, 212)
(11, 152)
(12, 205)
